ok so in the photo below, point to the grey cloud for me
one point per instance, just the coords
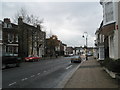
(68, 20)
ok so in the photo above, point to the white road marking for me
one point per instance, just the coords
(33, 76)
(12, 84)
(24, 79)
(69, 67)
(38, 74)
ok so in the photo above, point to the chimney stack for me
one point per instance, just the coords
(7, 20)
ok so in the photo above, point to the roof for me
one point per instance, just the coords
(99, 29)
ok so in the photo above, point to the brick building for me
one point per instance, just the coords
(31, 40)
(69, 50)
(10, 38)
(22, 40)
(0, 38)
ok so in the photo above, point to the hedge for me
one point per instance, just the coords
(112, 65)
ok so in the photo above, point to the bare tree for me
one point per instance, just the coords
(27, 18)
(23, 14)
(34, 20)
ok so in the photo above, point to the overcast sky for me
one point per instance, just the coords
(67, 20)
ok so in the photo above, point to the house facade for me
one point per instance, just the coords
(64, 49)
(55, 46)
(0, 38)
(10, 38)
(78, 50)
(31, 40)
(99, 43)
(110, 29)
(22, 40)
(52, 46)
(70, 50)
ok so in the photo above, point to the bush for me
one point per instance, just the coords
(106, 61)
(112, 65)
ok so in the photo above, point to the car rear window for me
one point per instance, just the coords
(75, 56)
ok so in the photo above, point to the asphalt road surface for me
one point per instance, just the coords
(43, 74)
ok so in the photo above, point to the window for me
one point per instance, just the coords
(0, 34)
(10, 49)
(16, 38)
(7, 25)
(100, 38)
(103, 38)
(16, 50)
(109, 16)
(10, 38)
(111, 46)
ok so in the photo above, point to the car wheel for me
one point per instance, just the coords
(79, 62)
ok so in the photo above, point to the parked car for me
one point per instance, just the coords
(10, 60)
(89, 54)
(76, 59)
(66, 55)
(70, 55)
(32, 58)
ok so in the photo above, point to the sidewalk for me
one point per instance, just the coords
(91, 75)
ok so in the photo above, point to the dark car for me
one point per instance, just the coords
(89, 54)
(8, 60)
(76, 59)
(66, 56)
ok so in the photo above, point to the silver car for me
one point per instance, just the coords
(76, 59)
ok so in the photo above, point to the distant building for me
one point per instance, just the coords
(58, 47)
(65, 49)
(91, 50)
(78, 50)
(52, 46)
(55, 46)
(69, 50)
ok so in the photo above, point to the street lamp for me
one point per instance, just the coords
(85, 35)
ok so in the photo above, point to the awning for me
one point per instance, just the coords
(108, 29)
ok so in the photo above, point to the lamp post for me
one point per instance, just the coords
(85, 35)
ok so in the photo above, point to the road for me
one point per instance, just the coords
(43, 74)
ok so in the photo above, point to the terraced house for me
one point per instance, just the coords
(31, 40)
(0, 38)
(9, 38)
(21, 40)
(108, 35)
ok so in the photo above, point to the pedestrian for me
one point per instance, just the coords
(56, 55)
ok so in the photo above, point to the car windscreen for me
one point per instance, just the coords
(75, 57)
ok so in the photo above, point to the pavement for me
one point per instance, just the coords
(91, 75)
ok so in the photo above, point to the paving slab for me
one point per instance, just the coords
(91, 75)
